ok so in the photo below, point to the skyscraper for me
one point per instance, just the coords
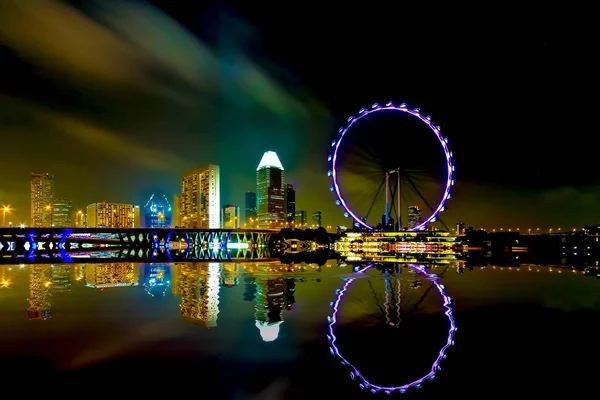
(231, 217)
(317, 218)
(200, 198)
(290, 202)
(270, 191)
(414, 216)
(250, 208)
(42, 193)
(157, 212)
(62, 214)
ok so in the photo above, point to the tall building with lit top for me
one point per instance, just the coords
(414, 216)
(230, 217)
(42, 194)
(250, 208)
(270, 191)
(198, 285)
(200, 205)
(40, 292)
(62, 213)
(290, 203)
(112, 215)
(157, 212)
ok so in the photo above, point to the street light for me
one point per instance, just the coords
(4, 211)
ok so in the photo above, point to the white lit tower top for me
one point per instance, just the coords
(270, 191)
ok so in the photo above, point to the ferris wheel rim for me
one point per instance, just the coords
(363, 112)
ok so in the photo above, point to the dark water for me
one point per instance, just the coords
(261, 330)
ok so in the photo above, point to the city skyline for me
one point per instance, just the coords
(111, 121)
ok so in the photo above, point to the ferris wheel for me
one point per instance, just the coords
(391, 162)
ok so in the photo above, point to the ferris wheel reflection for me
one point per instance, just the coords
(392, 317)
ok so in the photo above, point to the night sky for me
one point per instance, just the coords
(118, 98)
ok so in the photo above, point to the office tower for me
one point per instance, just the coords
(270, 191)
(460, 228)
(301, 218)
(250, 209)
(317, 218)
(110, 215)
(200, 198)
(230, 217)
(176, 219)
(157, 212)
(61, 213)
(414, 216)
(42, 193)
(290, 201)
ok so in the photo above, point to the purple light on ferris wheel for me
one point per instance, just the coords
(355, 373)
(425, 119)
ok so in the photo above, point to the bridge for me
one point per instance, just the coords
(25, 245)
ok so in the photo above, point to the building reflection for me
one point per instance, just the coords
(271, 295)
(198, 286)
(61, 278)
(157, 279)
(102, 276)
(230, 275)
(40, 292)
(5, 279)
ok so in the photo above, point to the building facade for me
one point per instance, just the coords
(230, 217)
(301, 218)
(111, 215)
(270, 191)
(414, 216)
(42, 194)
(62, 213)
(290, 203)
(157, 212)
(317, 218)
(200, 205)
(250, 209)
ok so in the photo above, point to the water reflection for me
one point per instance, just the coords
(198, 286)
(355, 373)
(268, 316)
(271, 296)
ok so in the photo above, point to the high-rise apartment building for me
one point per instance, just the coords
(62, 213)
(317, 218)
(230, 217)
(301, 218)
(111, 215)
(414, 216)
(250, 208)
(200, 205)
(270, 191)
(42, 193)
(290, 203)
